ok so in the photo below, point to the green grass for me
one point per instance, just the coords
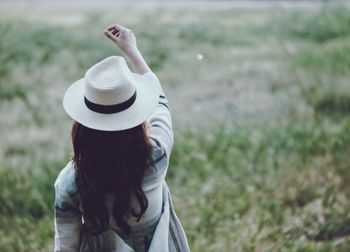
(266, 180)
(14, 91)
(262, 128)
(332, 57)
(328, 22)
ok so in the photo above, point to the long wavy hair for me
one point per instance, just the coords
(110, 162)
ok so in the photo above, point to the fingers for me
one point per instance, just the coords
(115, 28)
(115, 31)
(111, 36)
(112, 27)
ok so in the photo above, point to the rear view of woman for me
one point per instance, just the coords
(112, 195)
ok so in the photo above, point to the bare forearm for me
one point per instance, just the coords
(125, 39)
(137, 61)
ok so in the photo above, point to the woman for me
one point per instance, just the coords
(112, 195)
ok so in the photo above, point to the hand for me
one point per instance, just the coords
(123, 37)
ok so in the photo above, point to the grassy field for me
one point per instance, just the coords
(262, 121)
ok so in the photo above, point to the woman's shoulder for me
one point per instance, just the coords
(65, 182)
(158, 153)
(157, 170)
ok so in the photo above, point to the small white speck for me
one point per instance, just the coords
(199, 56)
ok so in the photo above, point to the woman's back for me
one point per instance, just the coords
(160, 134)
(112, 196)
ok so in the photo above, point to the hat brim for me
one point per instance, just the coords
(147, 96)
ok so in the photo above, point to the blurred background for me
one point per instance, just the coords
(260, 96)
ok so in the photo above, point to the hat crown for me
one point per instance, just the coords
(109, 82)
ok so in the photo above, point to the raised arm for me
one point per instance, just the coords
(160, 123)
(125, 39)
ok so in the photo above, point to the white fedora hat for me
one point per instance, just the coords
(110, 97)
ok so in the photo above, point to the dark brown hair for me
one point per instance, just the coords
(110, 162)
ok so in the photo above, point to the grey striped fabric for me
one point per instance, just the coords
(169, 235)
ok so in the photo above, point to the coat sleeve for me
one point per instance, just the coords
(68, 223)
(160, 123)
